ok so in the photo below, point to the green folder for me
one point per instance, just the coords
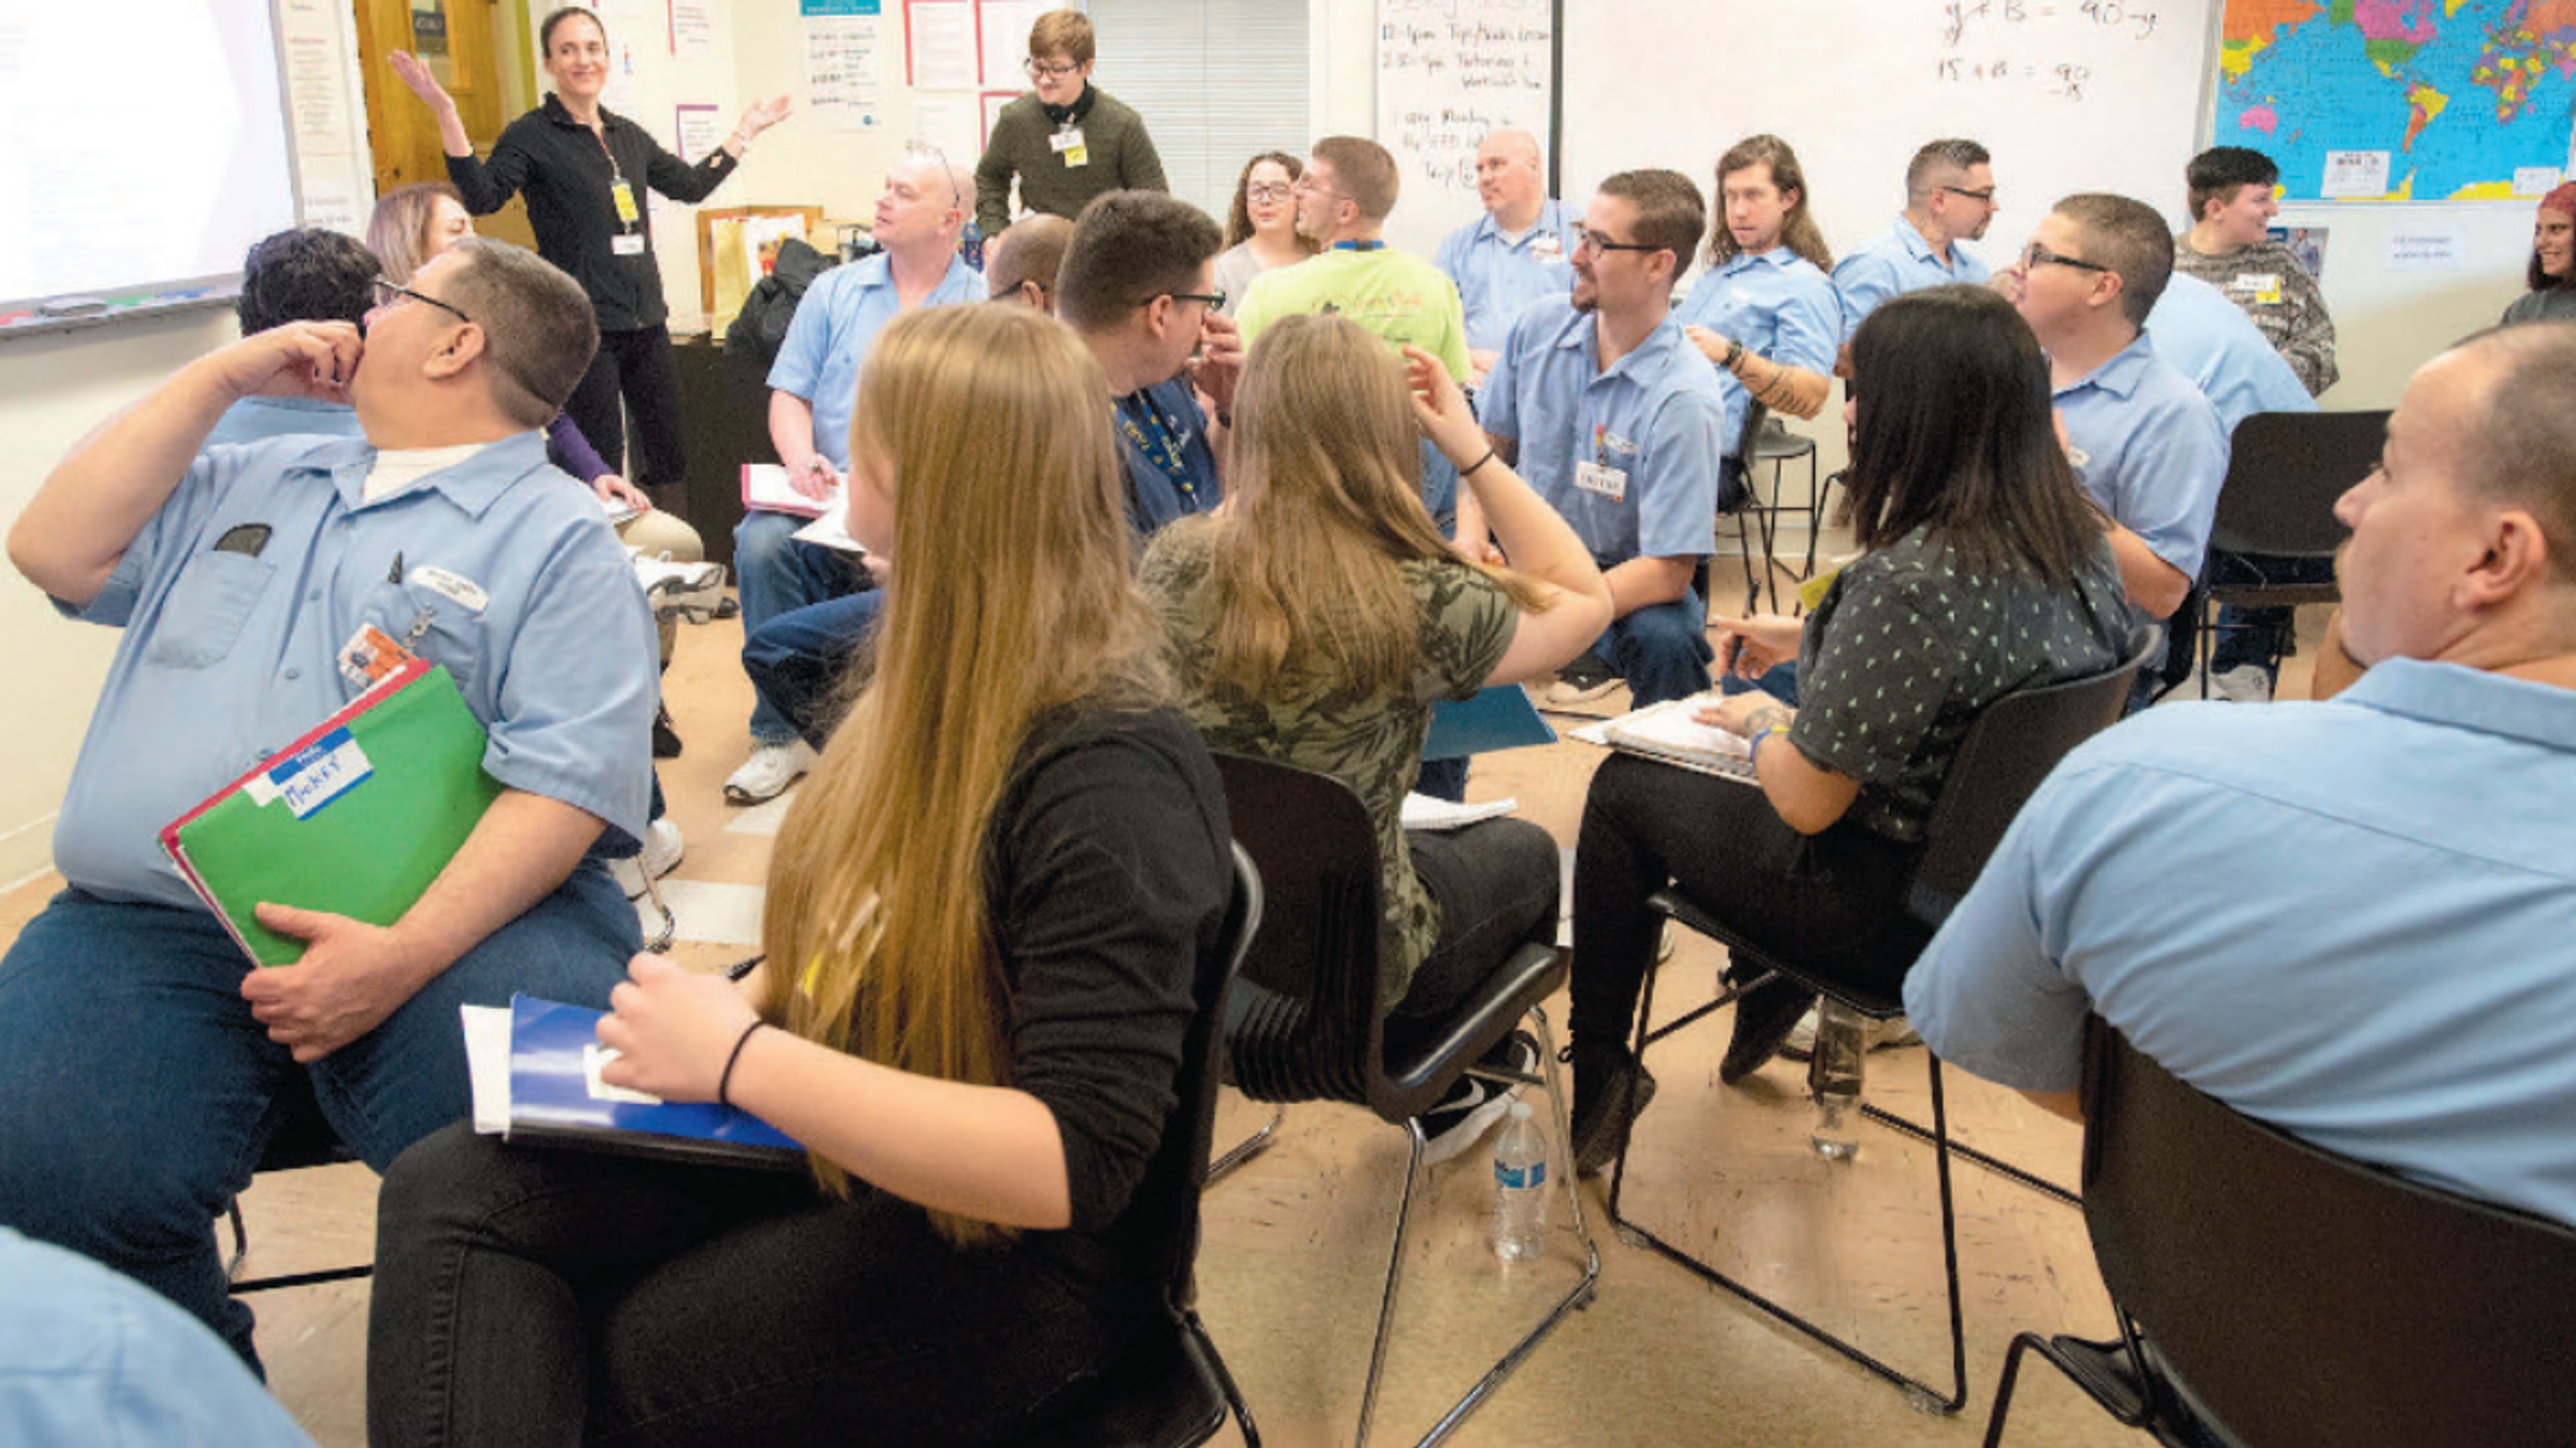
(355, 818)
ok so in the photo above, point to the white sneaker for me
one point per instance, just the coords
(1574, 693)
(691, 590)
(768, 772)
(1875, 1035)
(2244, 684)
(661, 855)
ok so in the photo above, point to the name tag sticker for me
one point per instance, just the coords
(1546, 247)
(465, 593)
(370, 656)
(2261, 286)
(621, 194)
(626, 243)
(1068, 139)
(1611, 483)
(319, 773)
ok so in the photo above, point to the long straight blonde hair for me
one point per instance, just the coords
(1011, 600)
(1322, 513)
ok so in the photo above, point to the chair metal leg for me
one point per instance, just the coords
(1917, 1392)
(1224, 1377)
(1246, 1149)
(1579, 1297)
(1995, 1164)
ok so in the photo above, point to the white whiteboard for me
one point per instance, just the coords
(146, 143)
(1447, 73)
(2069, 95)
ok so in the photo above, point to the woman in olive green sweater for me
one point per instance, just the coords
(1066, 141)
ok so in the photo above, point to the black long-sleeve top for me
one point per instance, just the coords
(567, 175)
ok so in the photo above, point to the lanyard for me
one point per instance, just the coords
(616, 177)
(1358, 245)
(1164, 448)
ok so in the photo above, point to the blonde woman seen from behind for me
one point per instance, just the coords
(983, 923)
(1316, 617)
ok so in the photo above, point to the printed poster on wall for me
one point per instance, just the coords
(844, 63)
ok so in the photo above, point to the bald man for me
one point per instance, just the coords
(1021, 264)
(1518, 251)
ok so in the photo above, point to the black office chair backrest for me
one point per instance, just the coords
(2008, 751)
(1174, 1177)
(2307, 1298)
(1302, 1021)
(1735, 485)
(2284, 472)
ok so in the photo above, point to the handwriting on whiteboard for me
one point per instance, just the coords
(2026, 43)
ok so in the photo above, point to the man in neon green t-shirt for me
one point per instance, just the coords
(1343, 200)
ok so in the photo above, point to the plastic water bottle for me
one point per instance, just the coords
(1520, 1188)
(1833, 1079)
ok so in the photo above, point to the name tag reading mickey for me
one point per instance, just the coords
(1611, 483)
(319, 773)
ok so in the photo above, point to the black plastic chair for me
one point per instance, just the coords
(2006, 754)
(2278, 1295)
(1302, 1022)
(2284, 472)
(1172, 1390)
(302, 1139)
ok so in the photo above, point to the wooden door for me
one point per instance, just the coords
(455, 38)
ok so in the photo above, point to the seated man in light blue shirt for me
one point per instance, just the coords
(1615, 418)
(813, 385)
(2373, 951)
(1764, 313)
(2205, 335)
(1949, 198)
(145, 1052)
(1517, 252)
(2145, 443)
(310, 274)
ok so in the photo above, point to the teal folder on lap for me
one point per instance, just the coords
(1501, 717)
(550, 1093)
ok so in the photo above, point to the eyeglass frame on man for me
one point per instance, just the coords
(929, 152)
(1045, 70)
(2035, 255)
(1985, 197)
(1587, 237)
(1215, 300)
(386, 285)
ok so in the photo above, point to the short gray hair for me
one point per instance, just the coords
(538, 328)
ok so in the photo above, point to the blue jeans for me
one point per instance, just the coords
(778, 574)
(141, 1092)
(796, 661)
(1661, 650)
(2258, 636)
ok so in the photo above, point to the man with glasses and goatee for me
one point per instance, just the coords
(1066, 140)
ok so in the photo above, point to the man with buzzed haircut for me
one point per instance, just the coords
(2144, 440)
(1021, 264)
(1615, 418)
(2373, 953)
(147, 1057)
(813, 385)
(1521, 249)
(1949, 198)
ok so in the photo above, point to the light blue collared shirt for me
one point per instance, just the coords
(1892, 263)
(90, 1356)
(2210, 340)
(1497, 277)
(2374, 955)
(2148, 447)
(1779, 305)
(1655, 416)
(256, 419)
(841, 313)
(230, 656)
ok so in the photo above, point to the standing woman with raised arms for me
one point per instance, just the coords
(583, 169)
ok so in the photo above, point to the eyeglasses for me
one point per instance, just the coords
(389, 293)
(1598, 242)
(1308, 185)
(1214, 300)
(923, 150)
(1987, 196)
(1047, 70)
(2037, 255)
(1269, 191)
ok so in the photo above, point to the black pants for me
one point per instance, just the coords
(1497, 884)
(533, 1296)
(1831, 902)
(636, 366)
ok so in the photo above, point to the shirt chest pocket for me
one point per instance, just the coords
(430, 624)
(203, 616)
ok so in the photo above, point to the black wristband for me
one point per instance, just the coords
(726, 1080)
(1478, 463)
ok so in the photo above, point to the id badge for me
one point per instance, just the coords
(621, 193)
(1068, 143)
(626, 243)
(369, 656)
(2263, 287)
(1611, 483)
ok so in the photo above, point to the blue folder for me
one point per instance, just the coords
(551, 1104)
(1501, 717)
